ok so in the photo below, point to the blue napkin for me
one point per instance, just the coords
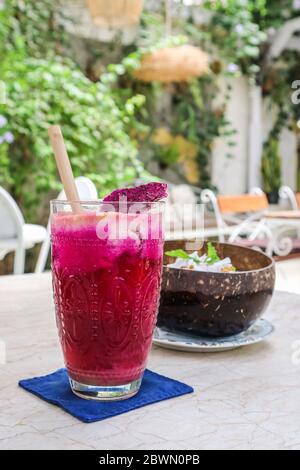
(55, 389)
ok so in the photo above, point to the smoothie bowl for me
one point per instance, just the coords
(220, 298)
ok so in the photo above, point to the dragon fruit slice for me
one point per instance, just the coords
(151, 192)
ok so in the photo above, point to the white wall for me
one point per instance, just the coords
(229, 175)
(288, 150)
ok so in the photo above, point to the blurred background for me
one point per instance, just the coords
(199, 92)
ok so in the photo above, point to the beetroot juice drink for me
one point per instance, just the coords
(106, 269)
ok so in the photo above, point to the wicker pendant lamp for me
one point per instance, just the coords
(173, 64)
(115, 13)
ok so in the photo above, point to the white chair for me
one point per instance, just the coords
(15, 235)
(184, 215)
(189, 217)
(87, 192)
(241, 214)
(286, 193)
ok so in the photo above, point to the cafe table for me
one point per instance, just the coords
(243, 399)
(291, 218)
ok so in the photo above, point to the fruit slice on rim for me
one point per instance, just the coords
(151, 192)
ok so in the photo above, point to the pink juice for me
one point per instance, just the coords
(106, 294)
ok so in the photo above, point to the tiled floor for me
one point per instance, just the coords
(288, 275)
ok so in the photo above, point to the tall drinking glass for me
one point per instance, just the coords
(106, 269)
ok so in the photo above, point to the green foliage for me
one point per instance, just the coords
(242, 33)
(236, 37)
(43, 93)
(212, 255)
(190, 112)
(178, 254)
(234, 30)
(275, 13)
(167, 156)
(30, 26)
(97, 119)
(271, 165)
(240, 29)
(44, 88)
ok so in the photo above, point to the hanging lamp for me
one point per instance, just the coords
(174, 63)
(115, 13)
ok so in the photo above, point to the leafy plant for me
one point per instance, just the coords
(239, 34)
(199, 120)
(6, 139)
(31, 25)
(271, 166)
(45, 88)
(234, 29)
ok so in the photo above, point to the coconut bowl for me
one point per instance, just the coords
(216, 304)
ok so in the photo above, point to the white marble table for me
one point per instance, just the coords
(245, 399)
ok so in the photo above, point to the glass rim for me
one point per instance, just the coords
(100, 201)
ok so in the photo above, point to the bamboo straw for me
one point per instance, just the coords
(64, 167)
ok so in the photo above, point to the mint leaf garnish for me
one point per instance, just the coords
(182, 254)
(212, 255)
(178, 254)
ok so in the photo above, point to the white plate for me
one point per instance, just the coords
(183, 342)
